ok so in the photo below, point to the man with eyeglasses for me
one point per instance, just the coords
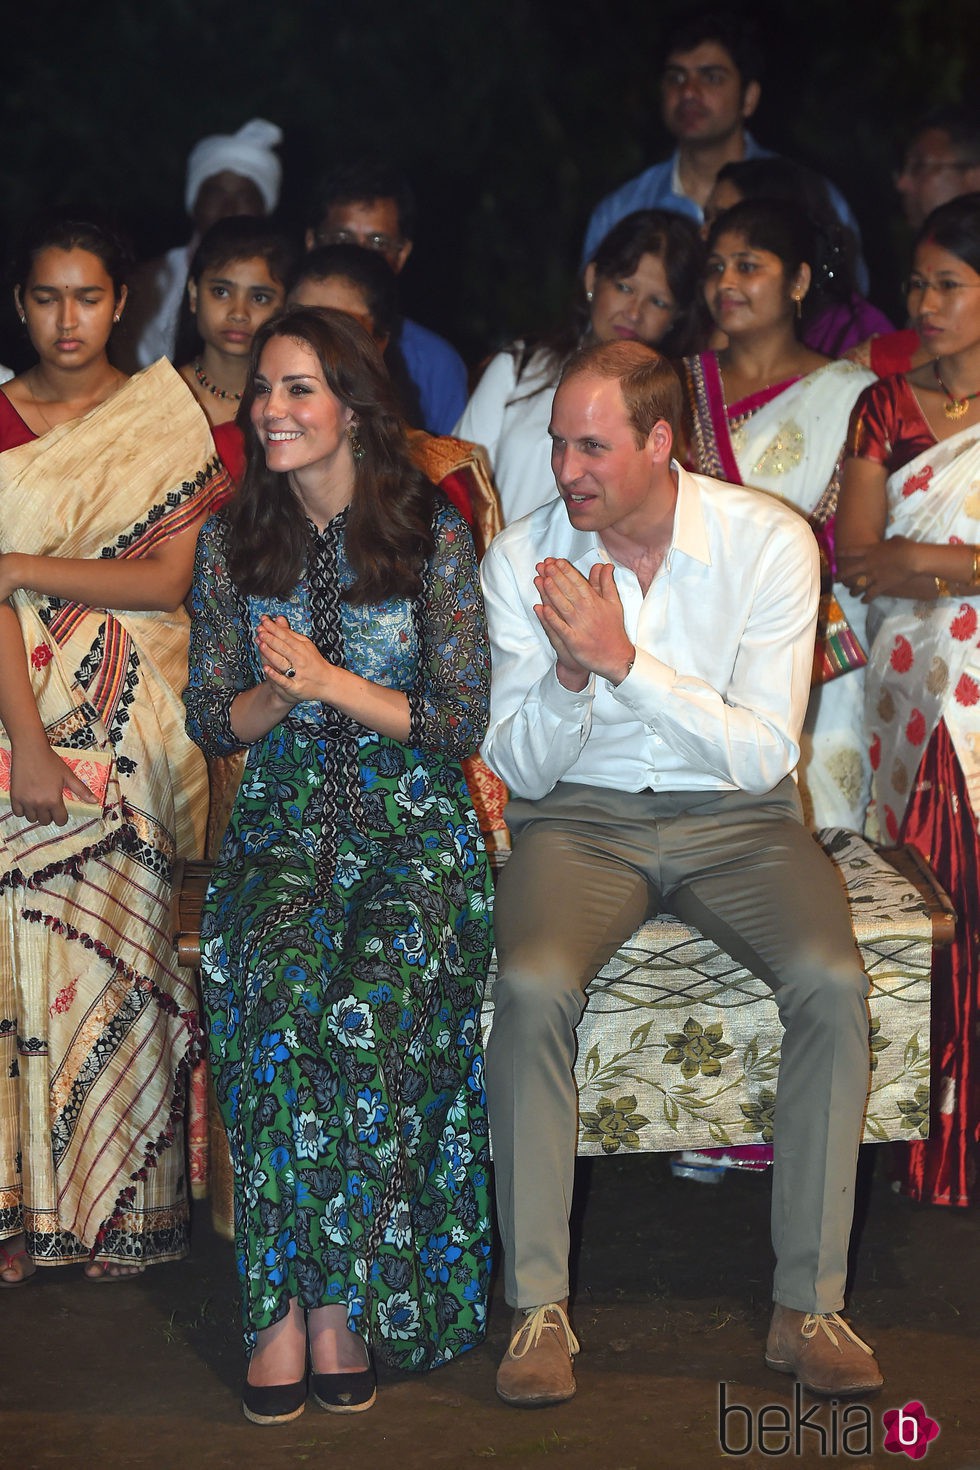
(367, 203)
(710, 87)
(941, 163)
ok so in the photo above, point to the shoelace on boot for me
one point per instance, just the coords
(812, 1321)
(534, 1325)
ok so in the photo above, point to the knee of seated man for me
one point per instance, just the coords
(827, 975)
(534, 985)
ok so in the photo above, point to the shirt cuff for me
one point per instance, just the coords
(224, 736)
(648, 675)
(566, 703)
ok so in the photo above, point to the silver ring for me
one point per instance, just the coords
(290, 672)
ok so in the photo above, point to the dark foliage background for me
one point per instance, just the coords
(512, 117)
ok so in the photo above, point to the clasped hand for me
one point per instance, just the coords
(881, 569)
(282, 650)
(583, 620)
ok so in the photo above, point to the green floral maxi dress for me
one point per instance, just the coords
(345, 944)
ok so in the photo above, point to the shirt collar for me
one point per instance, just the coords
(752, 150)
(690, 533)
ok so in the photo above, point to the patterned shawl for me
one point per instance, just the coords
(132, 473)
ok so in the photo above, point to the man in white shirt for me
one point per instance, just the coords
(652, 637)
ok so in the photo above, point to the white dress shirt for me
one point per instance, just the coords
(510, 418)
(724, 649)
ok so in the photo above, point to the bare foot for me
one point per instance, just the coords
(16, 1266)
(112, 1270)
(279, 1354)
(333, 1347)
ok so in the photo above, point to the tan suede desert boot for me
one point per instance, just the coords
(827, 1357)
(537, 1367)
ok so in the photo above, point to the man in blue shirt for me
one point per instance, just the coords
(710, 87)
(368, 204)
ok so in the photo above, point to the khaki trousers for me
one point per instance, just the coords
(588, 866)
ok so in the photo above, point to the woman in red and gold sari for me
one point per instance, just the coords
(908, 541)
(104, 483)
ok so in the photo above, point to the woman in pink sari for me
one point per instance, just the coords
(767, 411)
(909, 543)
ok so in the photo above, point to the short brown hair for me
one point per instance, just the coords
(651, 389)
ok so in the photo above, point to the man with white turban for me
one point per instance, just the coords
(227, 174)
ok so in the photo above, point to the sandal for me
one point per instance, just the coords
(8, 1262)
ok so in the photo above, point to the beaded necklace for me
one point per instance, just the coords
(213, 388)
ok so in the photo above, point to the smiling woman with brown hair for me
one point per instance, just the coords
(338, 635)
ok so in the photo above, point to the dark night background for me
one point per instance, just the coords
(512, 118)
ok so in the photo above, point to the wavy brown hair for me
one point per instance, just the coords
(388, 536)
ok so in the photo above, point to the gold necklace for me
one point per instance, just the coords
(953, 408)
(37, 402)
(93, 402)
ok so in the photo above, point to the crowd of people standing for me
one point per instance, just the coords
(221, 536)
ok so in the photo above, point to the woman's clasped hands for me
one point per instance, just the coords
(881, 569)
(294, 669)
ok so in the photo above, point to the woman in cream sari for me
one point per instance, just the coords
(908, 534)
(768, 412)
(103, 485)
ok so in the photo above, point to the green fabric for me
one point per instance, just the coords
(344, 1034)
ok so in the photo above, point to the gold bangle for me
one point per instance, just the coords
(975, 575)
(942, 587)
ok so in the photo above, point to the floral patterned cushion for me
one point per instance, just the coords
(679, 1045)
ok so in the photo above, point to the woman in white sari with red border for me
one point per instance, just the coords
(909, 543)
